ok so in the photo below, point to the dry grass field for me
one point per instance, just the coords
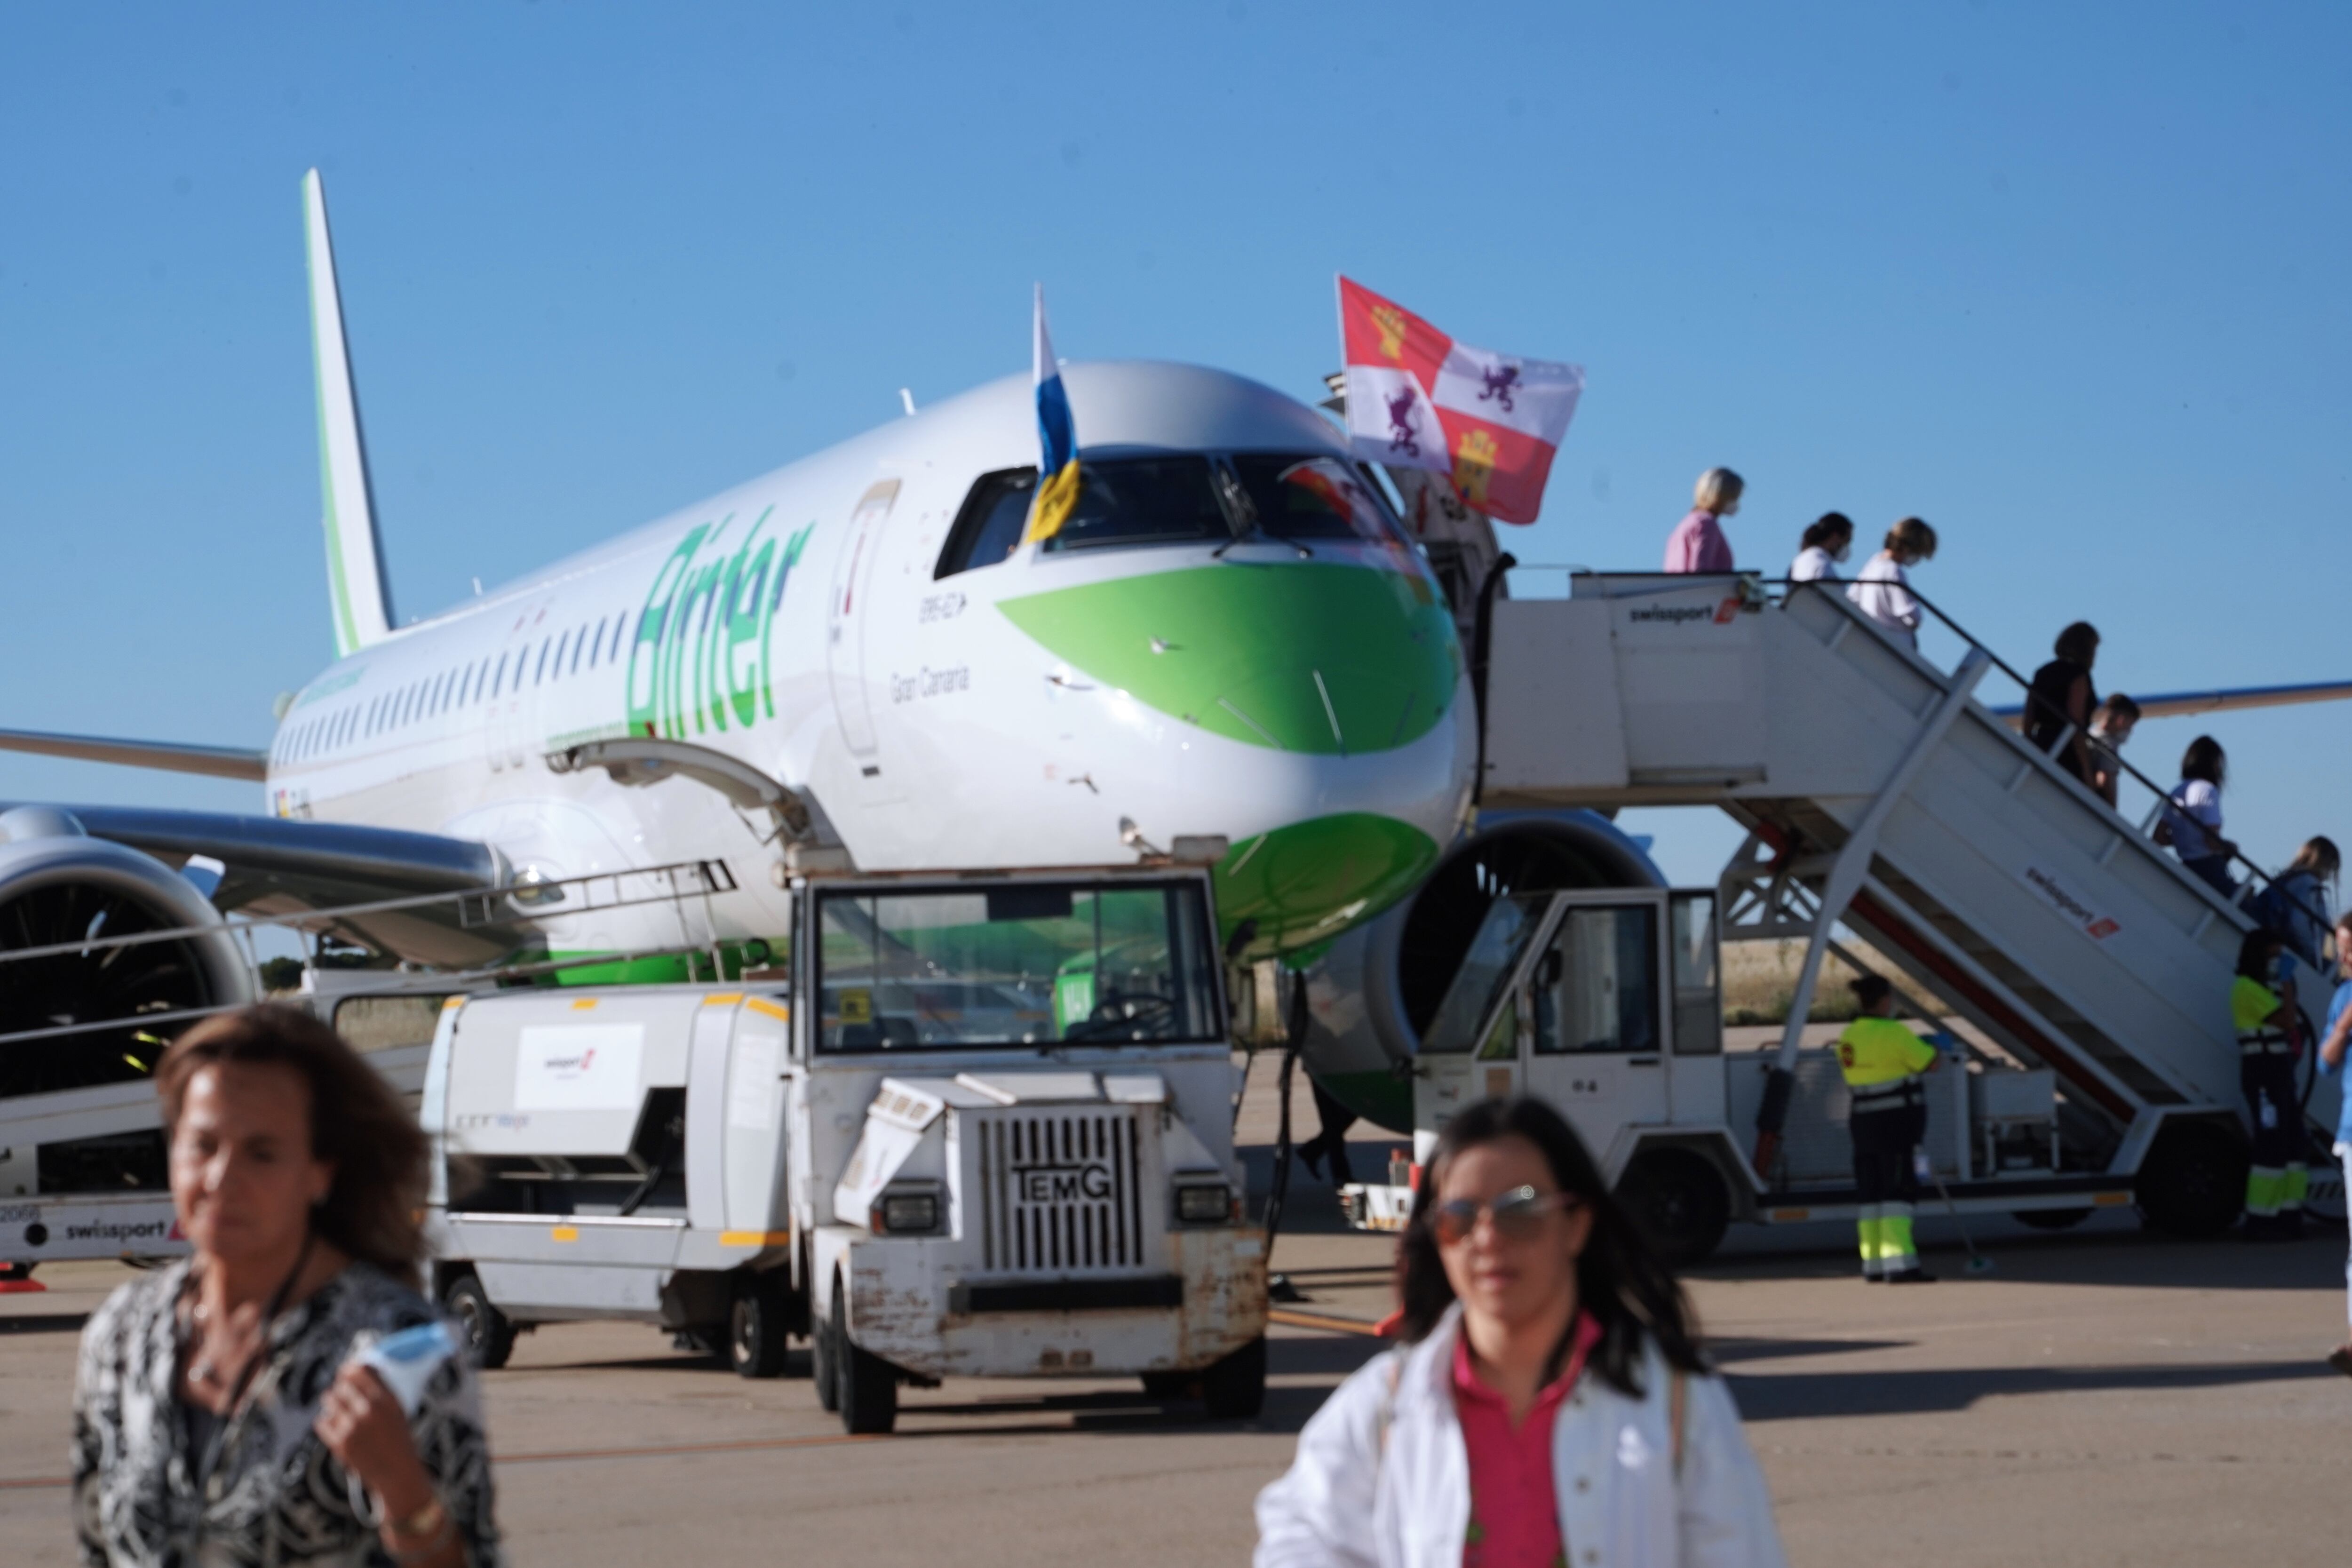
(1759, 978)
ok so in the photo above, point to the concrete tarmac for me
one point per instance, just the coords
(2101, 1398)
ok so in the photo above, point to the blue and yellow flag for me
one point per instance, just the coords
(1057, 439)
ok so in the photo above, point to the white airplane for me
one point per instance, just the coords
(1230, 652)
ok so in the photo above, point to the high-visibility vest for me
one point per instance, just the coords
(2253, 1008)
(1882, 1060)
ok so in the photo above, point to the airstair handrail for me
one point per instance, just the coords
(2163, 796)
(1834, 589)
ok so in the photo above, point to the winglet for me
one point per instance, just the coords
(362, 601)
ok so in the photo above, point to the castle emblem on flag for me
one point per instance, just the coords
(1474, 466)
(1391, 324)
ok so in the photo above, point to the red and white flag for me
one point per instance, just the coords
(1417, 399)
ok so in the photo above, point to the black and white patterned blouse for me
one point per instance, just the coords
(276, 1498)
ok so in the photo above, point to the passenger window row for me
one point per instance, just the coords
(554, 656)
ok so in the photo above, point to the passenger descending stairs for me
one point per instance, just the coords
(1881, 792)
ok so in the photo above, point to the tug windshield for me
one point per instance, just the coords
(1026, 963)
(1494, 958)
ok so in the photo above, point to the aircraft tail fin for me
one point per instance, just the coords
(355, 576)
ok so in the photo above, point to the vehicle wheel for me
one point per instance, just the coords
(2050, 1219)
(2193, 1182)
(866, 1386)
(1677, 1200)
(489, 1336)
(1169, 1384)
(755, 1325)
(1234, 1389)
(822, 1357)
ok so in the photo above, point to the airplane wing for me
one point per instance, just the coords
(219, 761)
(2222, 699)
(278, 866)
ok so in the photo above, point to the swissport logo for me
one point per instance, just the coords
(2075, 912)
(1683, 614)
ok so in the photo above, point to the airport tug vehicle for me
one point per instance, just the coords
(978, 1125)
(1606, 1003)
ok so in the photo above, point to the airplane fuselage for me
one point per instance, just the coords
(1303, 697)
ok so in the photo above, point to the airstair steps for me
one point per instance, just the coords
(1983, 871)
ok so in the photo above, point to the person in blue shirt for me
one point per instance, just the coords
(2331, 1062)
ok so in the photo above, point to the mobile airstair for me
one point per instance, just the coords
(1886, 797)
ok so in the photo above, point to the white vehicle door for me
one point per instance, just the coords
(1596, 1039)
(1695, 1069)
(1473, 1047)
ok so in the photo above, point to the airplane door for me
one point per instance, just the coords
(847, 617)
(1597, 1039)
(1473, 1048)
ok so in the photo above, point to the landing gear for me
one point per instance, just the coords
(489, 1334)
(1677, 1200)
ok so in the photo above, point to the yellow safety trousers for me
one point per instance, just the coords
(1885, 1230)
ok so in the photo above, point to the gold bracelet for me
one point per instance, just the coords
(443, 1533)
(425, 1521)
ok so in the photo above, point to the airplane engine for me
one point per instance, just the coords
(60, 886)
(1378, 986)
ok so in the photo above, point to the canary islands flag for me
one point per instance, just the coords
(1057, 439)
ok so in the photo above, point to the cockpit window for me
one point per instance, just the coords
(1121, 501)
(1142, 501)
(1313, 498)
(988, 531)
(1187, 497)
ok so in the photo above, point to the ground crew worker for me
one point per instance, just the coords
(1882, 1060)
(2270, 1040)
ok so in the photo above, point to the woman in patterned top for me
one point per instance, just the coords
(222, 1411)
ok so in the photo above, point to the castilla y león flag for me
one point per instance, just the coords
(1417, 399)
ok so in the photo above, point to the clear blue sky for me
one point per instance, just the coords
(2070, 282)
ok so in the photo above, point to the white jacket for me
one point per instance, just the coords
(1349, 1503)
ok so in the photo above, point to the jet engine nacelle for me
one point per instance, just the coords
(1376, 988)
(61, 889)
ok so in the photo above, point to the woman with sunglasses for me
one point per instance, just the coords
(1549, 1405)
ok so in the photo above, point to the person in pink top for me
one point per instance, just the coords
(1697, 543)
(1549, 1406)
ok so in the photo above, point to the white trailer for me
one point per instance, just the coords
(82, 1170)
(979, 1126)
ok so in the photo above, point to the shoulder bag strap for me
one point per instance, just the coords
(1677, 1397)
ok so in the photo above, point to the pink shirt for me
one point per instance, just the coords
(1697, 545)
(1514, 1510)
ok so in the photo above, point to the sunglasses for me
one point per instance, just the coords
(1515, 1215)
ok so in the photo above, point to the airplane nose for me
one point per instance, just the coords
(1305, 657)
(1311, 658)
